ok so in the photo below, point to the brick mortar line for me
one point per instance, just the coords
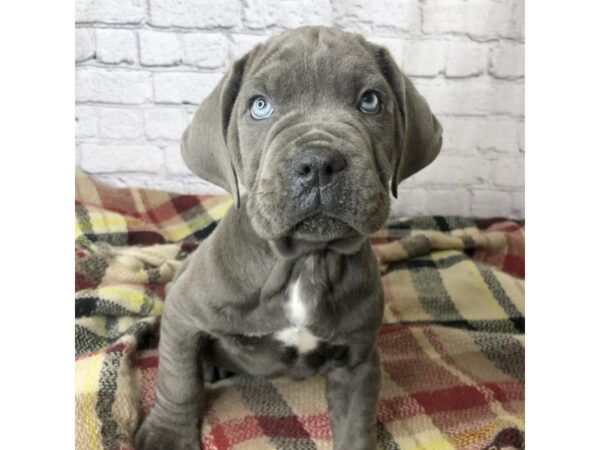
(378, 32)
(191, 69)
(399, 34)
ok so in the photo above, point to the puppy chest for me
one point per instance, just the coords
(299, 313)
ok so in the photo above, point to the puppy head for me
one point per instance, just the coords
(315, 123)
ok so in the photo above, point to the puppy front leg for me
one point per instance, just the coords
(173, 422)
(352, 395)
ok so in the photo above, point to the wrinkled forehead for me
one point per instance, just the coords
(313, 62)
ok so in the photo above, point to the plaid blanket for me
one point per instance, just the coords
(452, 344)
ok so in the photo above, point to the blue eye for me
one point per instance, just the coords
(370, 103)
(261, 108)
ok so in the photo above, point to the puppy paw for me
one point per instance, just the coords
(154, 437)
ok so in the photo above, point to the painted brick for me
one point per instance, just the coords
(410, 202)
(398, 16)
(143, 180)
(353, 15)
(243, 43)
(85, 44)
(109, 11)
(164, 123)
(454, 170)
(465, 59)
(207, 51)
(183, 87)
(195, 13)
(259, 14)
(86, 122)
(479, 18)
(424, 59)
(508, 60)
(509, 173)
(297, 13)
(516, 23)
(377, 16)
(188, 113)
(159, 48)
(468, 135)
(97, 158)
(448, 202)
(485, 204)
(396, 47)
(118, 123)
(118, 86)
(518, 204)
(472, 97)
(521, 136)
(116, 46)
(174, 162)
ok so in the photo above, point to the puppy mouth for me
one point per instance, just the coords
(343, 211)
(317, 232)
(320, 227)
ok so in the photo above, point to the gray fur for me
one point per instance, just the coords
(228, 300)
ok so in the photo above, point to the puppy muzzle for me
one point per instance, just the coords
(316, 183)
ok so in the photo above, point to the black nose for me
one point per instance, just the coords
(317, 166)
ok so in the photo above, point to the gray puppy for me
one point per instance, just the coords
(315, 124)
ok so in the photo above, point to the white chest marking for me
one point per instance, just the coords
(297, 335)
(295, 308)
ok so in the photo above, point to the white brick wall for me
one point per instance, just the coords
(142, 66)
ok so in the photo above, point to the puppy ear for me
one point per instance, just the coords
(204, 144)
(419, 134)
